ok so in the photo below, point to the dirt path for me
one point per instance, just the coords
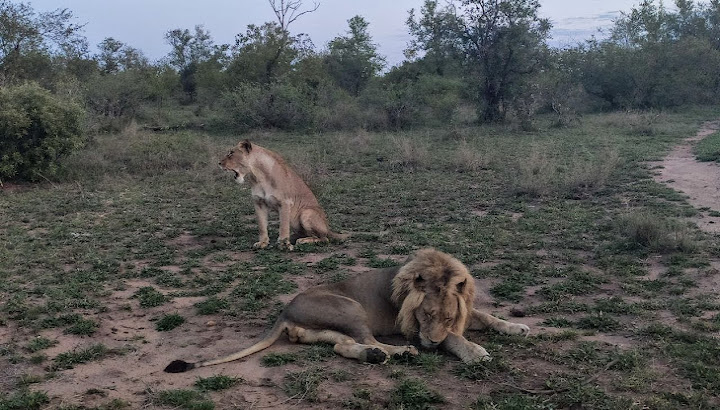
(700, 181)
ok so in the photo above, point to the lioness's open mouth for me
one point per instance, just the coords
(237, 174)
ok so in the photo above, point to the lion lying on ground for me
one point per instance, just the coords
(430, 297)
(274, 185)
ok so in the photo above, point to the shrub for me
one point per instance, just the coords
(279, 105)
(37, 129)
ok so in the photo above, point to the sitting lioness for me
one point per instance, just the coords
(274, 185)
(430, 297)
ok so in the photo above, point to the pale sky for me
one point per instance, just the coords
(143, 23)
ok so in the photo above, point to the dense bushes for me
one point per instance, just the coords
(37, 129)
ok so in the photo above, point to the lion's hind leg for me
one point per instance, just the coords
(344, 345)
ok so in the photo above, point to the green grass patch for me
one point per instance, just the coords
(182, 399)
(708, 149)
(413, 394)
(24, 400)
(303, 385)
(68, 360)
(216, 383)
(169, 322)
(211, 305)
(150, 297)
(40, 343)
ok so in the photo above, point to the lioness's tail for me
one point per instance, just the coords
(179, 366)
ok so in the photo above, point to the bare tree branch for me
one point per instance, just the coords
(287, 11)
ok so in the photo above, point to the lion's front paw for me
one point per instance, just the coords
(517, 329)
(285, 244)
(474, 353)
(261, 244)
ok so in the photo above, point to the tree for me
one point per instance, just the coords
(504, 43)
(353, 60)
(436, 43)
(265, 53)
(116, 56)
(28, 38)
(189, 51)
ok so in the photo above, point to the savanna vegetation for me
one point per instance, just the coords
(123, 246)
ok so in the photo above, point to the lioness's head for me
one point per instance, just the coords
(435, 293)
(237, 161)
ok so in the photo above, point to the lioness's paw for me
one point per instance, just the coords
(406, 351)
(284, 244)
(261, 244)
(475, 353)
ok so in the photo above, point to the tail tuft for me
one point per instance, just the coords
(340, 237)
(179, 366)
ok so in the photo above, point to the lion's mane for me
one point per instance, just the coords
(432, 271)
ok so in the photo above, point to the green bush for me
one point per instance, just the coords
(277, 105)
(36, 130)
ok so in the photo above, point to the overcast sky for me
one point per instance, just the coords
(142, 23)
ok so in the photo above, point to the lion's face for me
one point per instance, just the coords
(434, 292)
(237, 161)
(436, 316)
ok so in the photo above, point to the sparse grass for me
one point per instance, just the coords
(150, 297)
(169, 322)
(183, 399)
(413, 394)
(216, 383)
(83, 327)
(40, 343)
(303, 385)
(550, 221)
(24, 400)
(278, 359)
(70, 359)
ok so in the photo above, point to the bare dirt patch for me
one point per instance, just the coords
(700, 181)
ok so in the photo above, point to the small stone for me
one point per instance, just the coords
(210, 323)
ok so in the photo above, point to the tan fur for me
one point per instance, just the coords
(274, 185)
(430, 297)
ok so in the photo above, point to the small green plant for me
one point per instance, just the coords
(68, 360)
(278, 359)
(211, 305)
(184, 399)
(216, 383)
(304, 384)
(40, 343)
(24, 400)
(413, 394)
(150, 297)
(83, 327)
(169, 322)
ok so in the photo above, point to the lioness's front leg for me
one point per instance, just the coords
(284, 237)
(261, 212)
(481, 321)
(464, 349)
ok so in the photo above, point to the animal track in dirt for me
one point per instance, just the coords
(700, 181)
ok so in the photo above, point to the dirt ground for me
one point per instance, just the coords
(700, 181)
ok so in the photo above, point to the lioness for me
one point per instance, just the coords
(430, 297)
(274, 185)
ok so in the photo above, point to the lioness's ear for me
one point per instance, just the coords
(461, 286)
(246, 145)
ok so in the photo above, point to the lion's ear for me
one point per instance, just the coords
(246, 145)
(419, 283)
(462, 286)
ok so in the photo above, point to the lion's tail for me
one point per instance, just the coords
(340, 237)
(179, 366)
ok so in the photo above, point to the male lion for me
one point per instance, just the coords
(274, 185)
(431, 296)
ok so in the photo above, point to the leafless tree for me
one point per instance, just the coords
(287, 11)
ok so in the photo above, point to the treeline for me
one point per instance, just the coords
(468, 61)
